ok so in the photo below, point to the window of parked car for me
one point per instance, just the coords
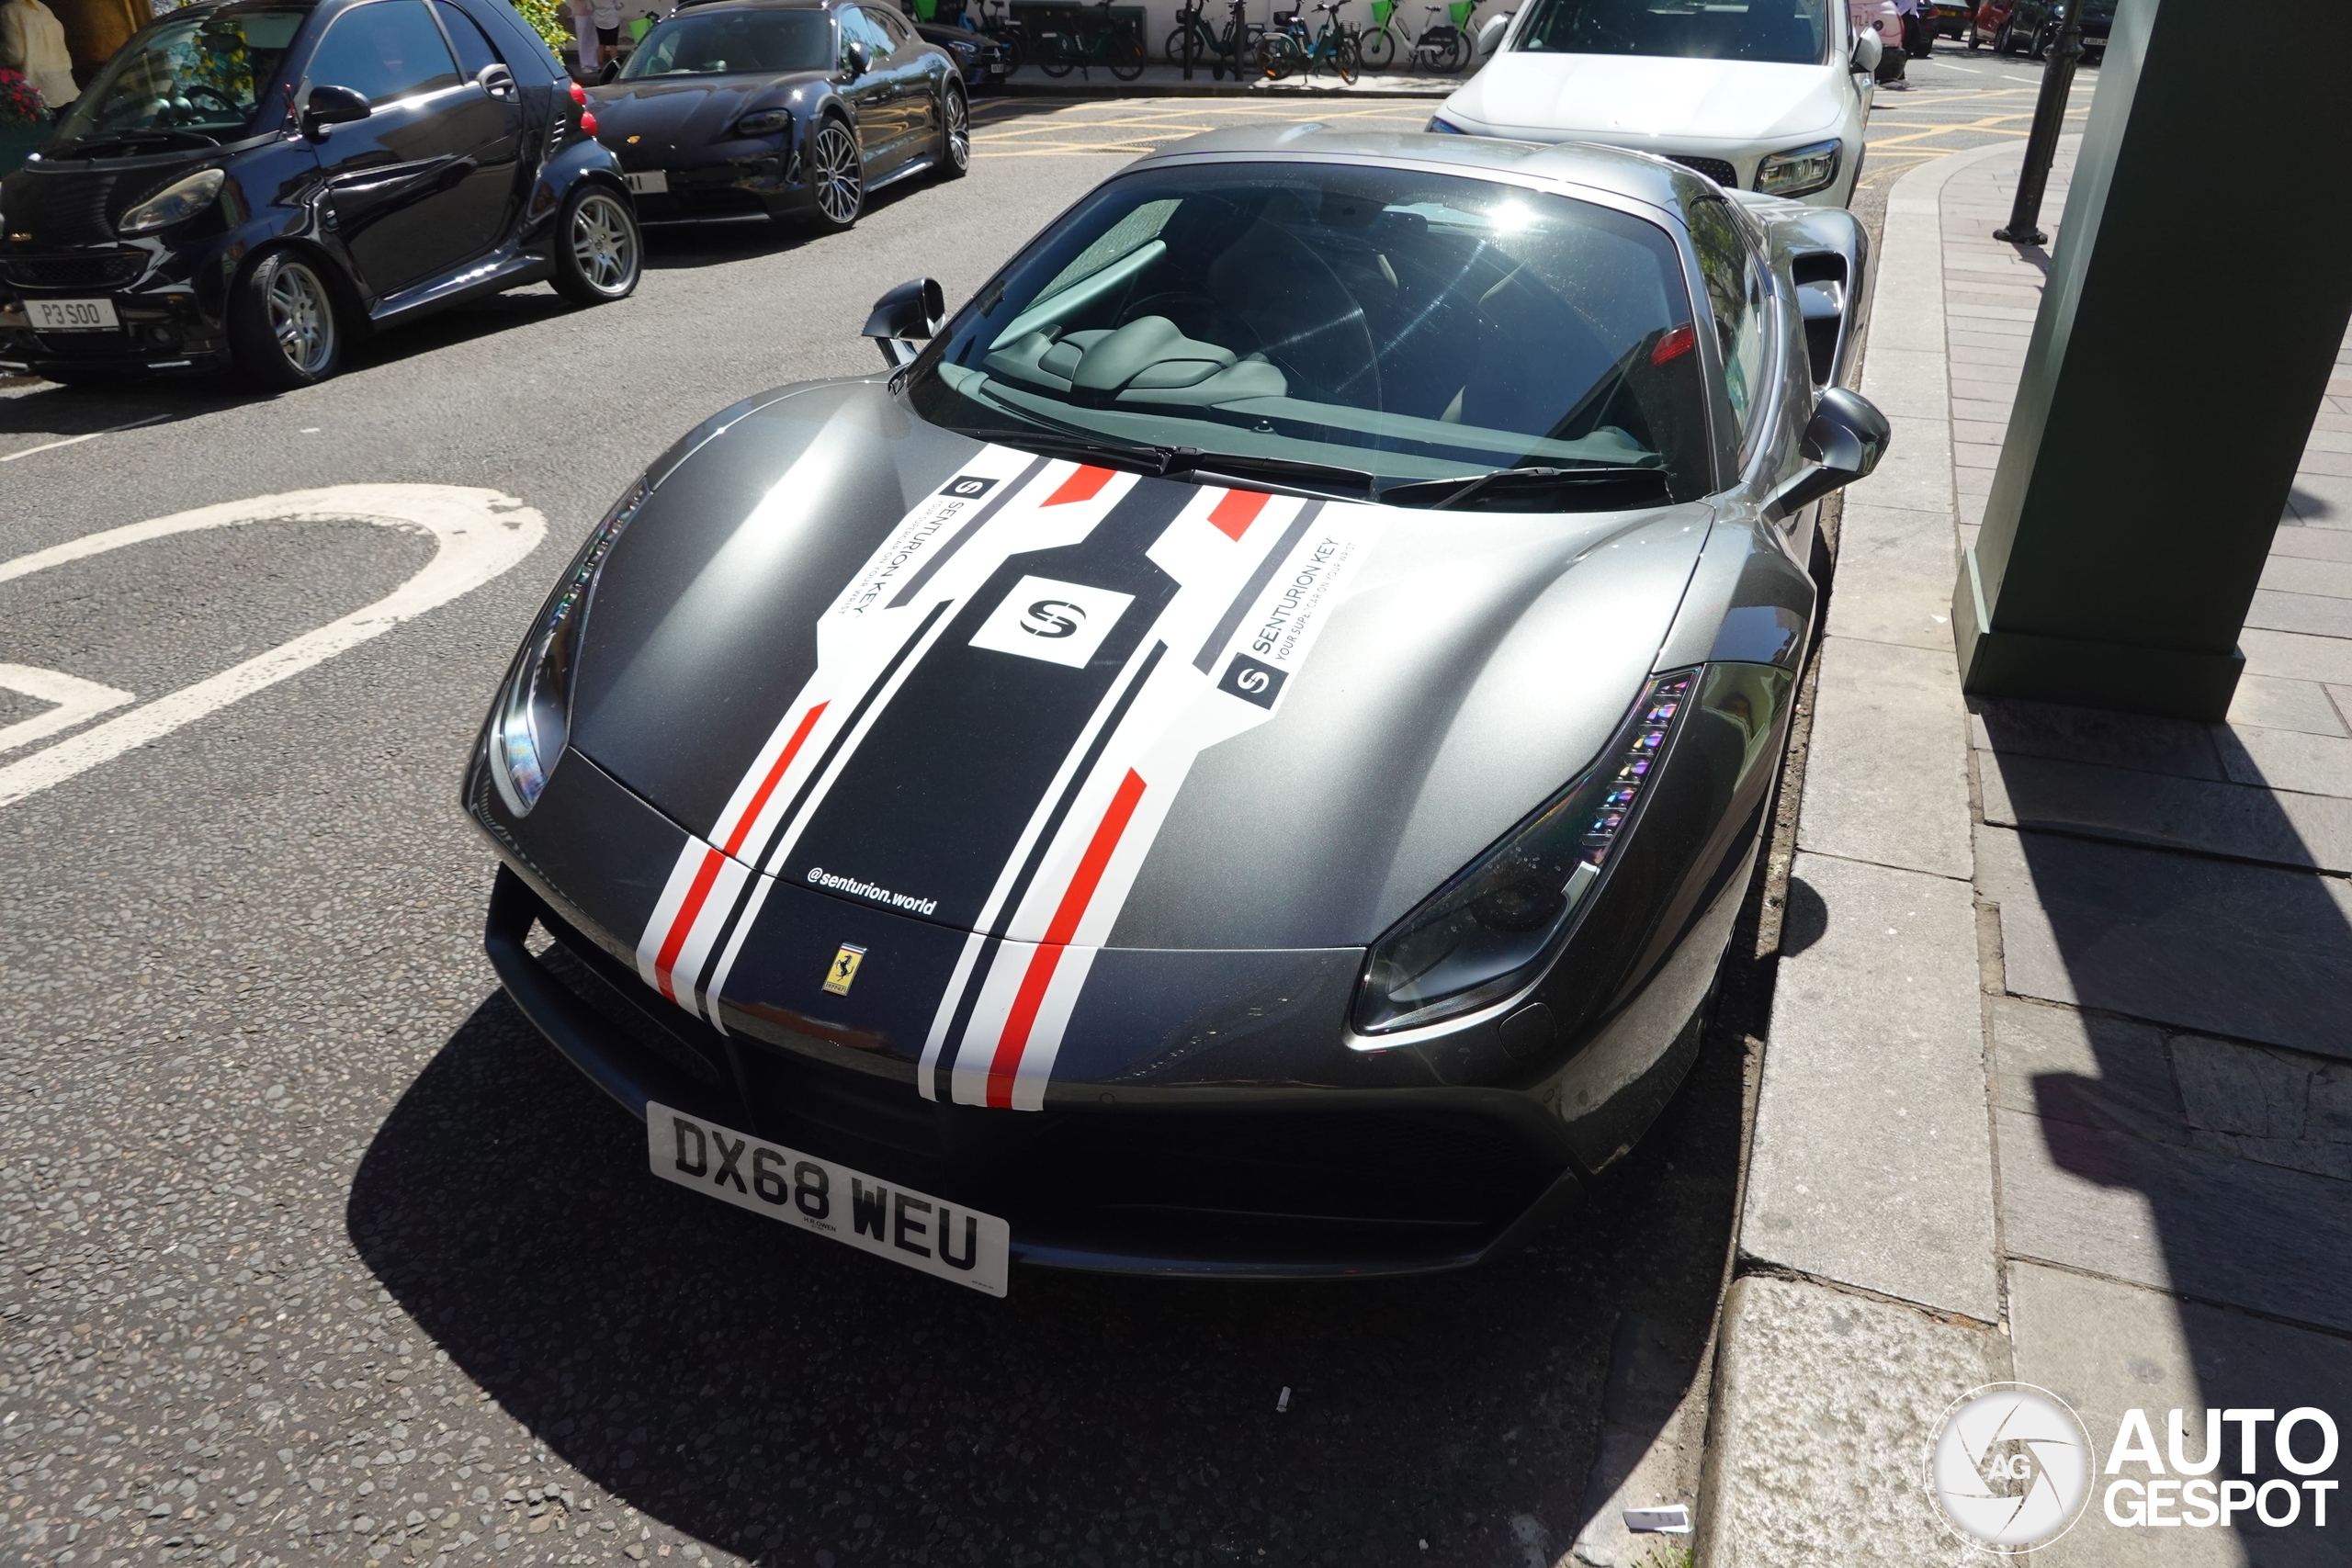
(859, 25)
(1410, 331)
(895, 31)
(474, 52)
(1737, 295)
(1783, 32)
(203, 72)
(731, 42)
(384, 50)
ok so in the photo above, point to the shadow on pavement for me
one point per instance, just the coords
(2204, 1153)
(774, 1396)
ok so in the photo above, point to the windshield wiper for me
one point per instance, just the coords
(1143, 459)
(157, 138)
(1438, 495)
(1280, 470)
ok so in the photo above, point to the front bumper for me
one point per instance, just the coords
(166, 322)
(762, 184)
(1282, 1182)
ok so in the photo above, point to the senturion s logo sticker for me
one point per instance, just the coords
(1060, 622)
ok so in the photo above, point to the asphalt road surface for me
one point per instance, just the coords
(311, 1251)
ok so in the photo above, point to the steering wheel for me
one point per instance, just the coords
(199, 90)
(1199, 317)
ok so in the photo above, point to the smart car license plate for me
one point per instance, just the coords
(72, 315)
(888, 1221)
(653, 182)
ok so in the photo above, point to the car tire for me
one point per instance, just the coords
(285, 331)
(837, 175)
(599, 254)
(954, 135)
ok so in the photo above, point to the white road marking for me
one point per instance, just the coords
(77, 440)
(76, 700)
(481, 533)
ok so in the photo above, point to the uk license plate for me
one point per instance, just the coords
(907, 1227)
(653, 182)
(72, 315)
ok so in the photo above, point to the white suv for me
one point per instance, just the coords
(1759, 95)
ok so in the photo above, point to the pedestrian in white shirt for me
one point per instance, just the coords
(32, 44)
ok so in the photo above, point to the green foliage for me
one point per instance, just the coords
(1674, 1554)
(546, 18)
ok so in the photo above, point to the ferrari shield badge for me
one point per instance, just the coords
(845, 969)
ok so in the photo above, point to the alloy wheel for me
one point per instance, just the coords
(301, 318)
(841, 181)
(957, 139)
(604, 243)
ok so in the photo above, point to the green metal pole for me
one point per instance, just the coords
(2200, 290)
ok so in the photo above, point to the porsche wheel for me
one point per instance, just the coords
(283, 327)
(598, 255)
(839, 175)
(954, 136)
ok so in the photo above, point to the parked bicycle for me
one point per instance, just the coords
(999, 28)
(1220, 51)
(1093, 40)
(1287, 46)
(1444, 45)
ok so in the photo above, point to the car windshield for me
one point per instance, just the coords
(757, 42)
(1396, 328)
(1780, 32)
(187, 78)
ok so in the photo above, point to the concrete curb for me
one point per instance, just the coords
(1868, 1290)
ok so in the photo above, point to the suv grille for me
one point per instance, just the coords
(96, 271)
(1715, 169)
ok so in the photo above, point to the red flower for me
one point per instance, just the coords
(19, 105)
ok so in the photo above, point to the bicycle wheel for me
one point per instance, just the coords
(1175, 48)
(1453, 55)
(1125, 56)
(1055, 55)
(1277, 56)
(1379, 50)
(1347, 60)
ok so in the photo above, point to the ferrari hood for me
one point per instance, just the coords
(1645, 102)
(856, 655)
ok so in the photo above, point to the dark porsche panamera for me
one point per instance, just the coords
(783, 108)
(1238, 755)
(257, 182)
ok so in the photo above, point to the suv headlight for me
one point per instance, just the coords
(174, 203)
(764, 122)
(1798, 171)
(532, 719)
(1482, 936)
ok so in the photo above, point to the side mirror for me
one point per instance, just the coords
(906, 316)
(858, 57)
(1490, 37)
(1844, 441)
(1868, 52)
(331, 105)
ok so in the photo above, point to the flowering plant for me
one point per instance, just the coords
(19, 105)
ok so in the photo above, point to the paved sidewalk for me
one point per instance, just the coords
(2059, 1085)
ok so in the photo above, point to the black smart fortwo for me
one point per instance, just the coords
(253, 183)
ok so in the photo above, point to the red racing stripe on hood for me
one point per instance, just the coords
(1059, 932)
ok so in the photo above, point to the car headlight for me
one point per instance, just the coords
(174, 203)
(1440, 127)
(532, 719)
(1799, 170)
(764, 122)
(1482, 936)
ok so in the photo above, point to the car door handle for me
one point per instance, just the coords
(496, 80)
